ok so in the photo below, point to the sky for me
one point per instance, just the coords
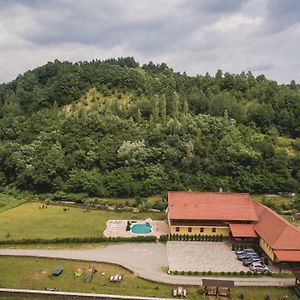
(195, 36)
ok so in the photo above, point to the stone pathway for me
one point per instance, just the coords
(147, 260)
(203, 256)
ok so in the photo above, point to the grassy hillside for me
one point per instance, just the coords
(115, 128)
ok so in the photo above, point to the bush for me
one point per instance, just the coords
(78, 240)
(249, 273)
(163, 238)
(175, 272)
(222, 273)
(242, 273)
(267, 296)
(196, 273)
(209, 273)
(189, 273)
(241, 296)
(182, 272)
(234, 273)
(203, 273)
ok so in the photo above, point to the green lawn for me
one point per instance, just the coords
(35, 273)
(28, 221)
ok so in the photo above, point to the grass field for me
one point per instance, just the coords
(28, 221)
(276, 200)
(35, 273)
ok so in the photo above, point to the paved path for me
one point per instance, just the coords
(147, 260)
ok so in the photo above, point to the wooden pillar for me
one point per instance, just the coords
(279, 267)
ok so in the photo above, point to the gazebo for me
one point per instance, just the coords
(217, 288)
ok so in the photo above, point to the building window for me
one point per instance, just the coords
(177, 229)
(189, 229)
(213, 230)
(201, 229)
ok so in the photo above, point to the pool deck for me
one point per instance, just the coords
(117, 228)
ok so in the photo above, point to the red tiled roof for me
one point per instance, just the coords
(242, 230)
(211, 206)
(288, 256)
(275, 230)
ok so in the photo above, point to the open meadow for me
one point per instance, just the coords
(27, 221)
(35, 273)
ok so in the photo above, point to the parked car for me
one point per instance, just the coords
(249, 250)
(252, 254)
(257, 263)
(259, 269)
(247, 256)
(247, 262)
(254, 257)
(245, 252)
(242, 256)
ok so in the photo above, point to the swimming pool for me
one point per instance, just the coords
(141, 228)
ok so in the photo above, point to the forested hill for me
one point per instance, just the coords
(115, 128)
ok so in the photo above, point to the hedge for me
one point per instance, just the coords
(163, 238)
(78, 240)
(196, 237)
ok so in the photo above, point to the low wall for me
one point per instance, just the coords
(68, 295)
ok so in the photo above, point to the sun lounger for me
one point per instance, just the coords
(50, 289)
(58, 270)
(115, 278)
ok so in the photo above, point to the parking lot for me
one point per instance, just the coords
(203, 256)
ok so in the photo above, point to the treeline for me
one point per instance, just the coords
(115, 128)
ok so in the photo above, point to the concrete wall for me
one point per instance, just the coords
(207, 230)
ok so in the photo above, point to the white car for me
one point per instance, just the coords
(259, 268)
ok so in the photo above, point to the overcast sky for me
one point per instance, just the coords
(195, 36)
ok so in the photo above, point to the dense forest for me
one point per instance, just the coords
(117, 128)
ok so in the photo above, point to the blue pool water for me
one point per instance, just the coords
(141, 228)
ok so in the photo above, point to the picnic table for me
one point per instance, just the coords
(179, 292)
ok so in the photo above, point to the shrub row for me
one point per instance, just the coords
(196, 237)
(196, 273)
(78, 240)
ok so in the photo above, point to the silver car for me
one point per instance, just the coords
(259, 268)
